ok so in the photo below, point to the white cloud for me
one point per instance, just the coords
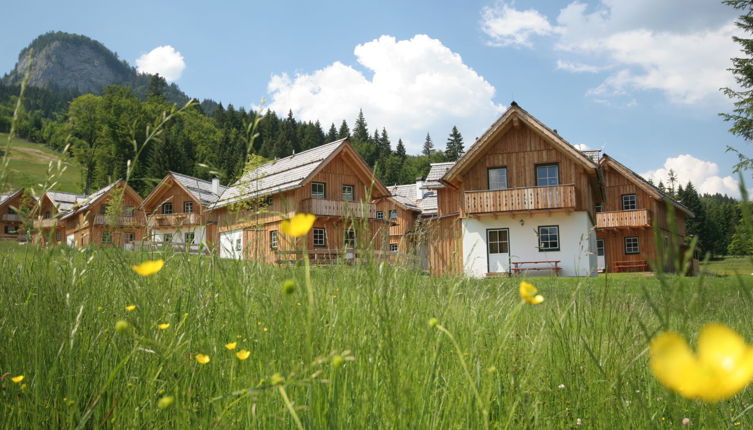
(579, 67)
(507, 26)
(703, 174)
(164, 60)
(416, 85)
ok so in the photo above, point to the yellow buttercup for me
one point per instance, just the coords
(149, 267)
(529, 293)
(298, 226)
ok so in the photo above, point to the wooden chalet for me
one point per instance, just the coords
(88, 221)
(330, 181)
(48, 228)
(626, 218)
(10, 219)
(178, 215)
(402, 211)
(519, 201)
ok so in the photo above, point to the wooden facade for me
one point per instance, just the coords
(11, 208)
(629, 214)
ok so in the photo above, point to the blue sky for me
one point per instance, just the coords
(635, 78)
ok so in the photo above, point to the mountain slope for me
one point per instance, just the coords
(28, 166)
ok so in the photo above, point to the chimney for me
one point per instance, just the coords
(419, 191)
(216, 186)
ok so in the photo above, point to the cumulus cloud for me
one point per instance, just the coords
(507, 26)
(703, 174)
(644, 45)
(416, 85)
(162, 60)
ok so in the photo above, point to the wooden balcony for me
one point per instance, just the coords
(624, 219)
(520, 199)
(121, 221)
(12, 217)
(46, 223)
(174, 220)
(321, 207)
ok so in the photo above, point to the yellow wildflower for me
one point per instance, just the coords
(130, 308)
(722, 367)
(202, 358)
(165, 402)
(17, 379)
(242, 354)
(121, 326)
(163, 326)
(298, 226)
(231, 346)
(337, 361)
(266, 329)
(433, 322)
(276, 379)
(149, 267)
(529, 293)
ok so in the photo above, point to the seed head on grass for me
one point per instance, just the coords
(298, 226)
(433, 322)
(337, 361)
(243, 354)
(202, 358)
(529, 293)
(231, 346)
(722, 367)
(276, 379)
(121, 326)
(149, 267)
(288, 287)
(165, 402)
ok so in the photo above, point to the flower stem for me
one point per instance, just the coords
(290, 407)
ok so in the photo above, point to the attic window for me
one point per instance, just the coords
(167, 208)
(318, 190)
(629, 202)
(187, 207)
(547, 175)
(348, 193)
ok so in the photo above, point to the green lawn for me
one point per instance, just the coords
(730, 266)
(581, 356)
(29, 162)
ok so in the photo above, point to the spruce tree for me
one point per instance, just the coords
(332, 133)
(428, 146)
(360, 129)
(454, 147)
(344, 132)
(400, 151)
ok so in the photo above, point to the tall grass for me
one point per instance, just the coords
(581, 355)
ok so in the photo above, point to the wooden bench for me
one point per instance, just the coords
(526, 266)
(629, 265)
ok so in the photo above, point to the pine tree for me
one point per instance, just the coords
(428, 146)
(696, 225)
(400, 151)
(332, 133)
(385, 147)
(360, 129)
(454, 147)
(344, 132)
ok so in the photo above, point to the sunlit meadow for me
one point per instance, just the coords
(209, 343)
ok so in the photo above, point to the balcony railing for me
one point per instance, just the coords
(46, 223)
(323, 207)
(118, 220)
(623, 219)
(12, 217)
(520, 199)
(173, 220)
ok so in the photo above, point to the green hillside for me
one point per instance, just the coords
(28, 166)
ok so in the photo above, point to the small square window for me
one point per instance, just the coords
(350, 238)
(11, 211)
(380, 215)
(600, 247)
(629, 202)
(58, 236)
(106, 237)
(549, 238)
(273, 240)
(320, 236)
(130, 237)
(497, 178)
(349, 193)
(547, 175)
(632, 245)
(188, 238)
(187, 207)
(318, 190)
(598, 208)
(128, 211)
(393, 214)
(167, 238)
(167, 208)
(393, 247)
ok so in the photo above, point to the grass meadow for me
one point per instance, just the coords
(362, 357)
(28, 162)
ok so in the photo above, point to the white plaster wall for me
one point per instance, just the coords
(577, 254)
(227, 244)
(199, 232)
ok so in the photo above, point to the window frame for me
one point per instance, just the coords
(393, 248)
(350, 242)
(274, 240)
(600, 250)
(128, 211)
(316, 232)
(634, 203)
(165, 237)
(380, 215)
(11, 211)
(58, 236)
(164, 208)
(106, 238)
(352, 193)
(536, 174)
(541, 240)
(494, 246)
(187, 207)
(393, 214)
(130, 237)
(185, 237)
(635, 249)
(489, 178)
(316, 195)
(10, 229)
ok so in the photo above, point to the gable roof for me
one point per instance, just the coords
(405, 195)
(289, 173)
(436, 172)
(513, 117)
(91, 199)
(64, 202)
(6, 198)
(643, 184)
(200, 189)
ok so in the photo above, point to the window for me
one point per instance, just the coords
(600, 247)
(188, 207)
(167, 238)
(497, 178)
(188, 238)
(130, 237)
(128, 211)
(393, 247)
(273, 242)
(318, 190)
(349, 193)
(380, 215)
(549, 238)
(103, 209)
(167, 208)
(547, 175)
(106, 237)
(498, 240)
(631, 245)
(58, 236)
(11, 211)
(238, 245)
(267, 201)
(393, 214)
(320, 236)
(11, 229)
(629, 202)
(47, 215)
(598, 208)
(350, 238)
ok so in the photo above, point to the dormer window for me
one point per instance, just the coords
(497, 177)
(629, 202)
(547, 175)
(318, 190)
